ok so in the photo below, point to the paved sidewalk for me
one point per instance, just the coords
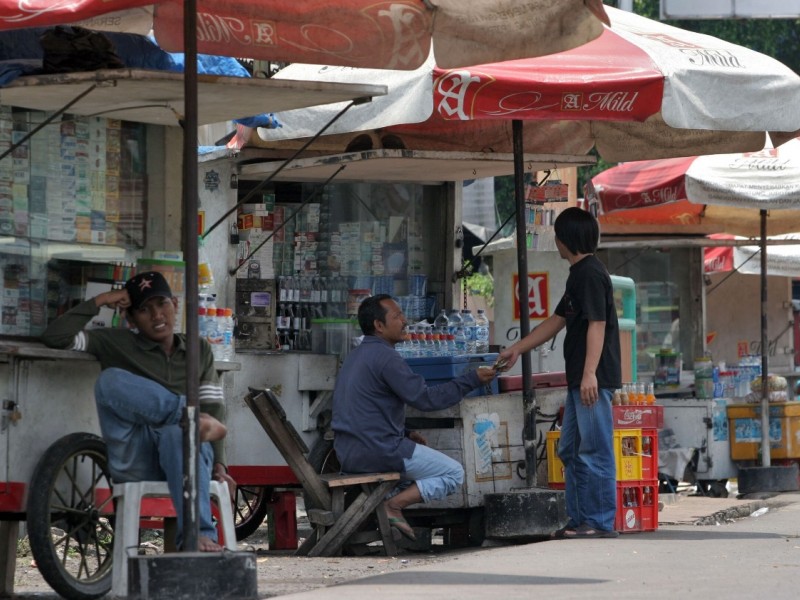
(704, 547)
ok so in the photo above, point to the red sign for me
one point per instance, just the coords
(538, 296)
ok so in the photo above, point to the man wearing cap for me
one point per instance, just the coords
(140, 393)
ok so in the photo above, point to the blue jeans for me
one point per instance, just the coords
(139, 420)
(586, 448)
(436, 474)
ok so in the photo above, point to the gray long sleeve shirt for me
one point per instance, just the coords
(372, 390)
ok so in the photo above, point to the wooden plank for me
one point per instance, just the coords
(287, 446)
(358, 478)
(320, 517)
(364, 505)
(385, 529)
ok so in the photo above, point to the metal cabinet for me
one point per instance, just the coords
(702, 425)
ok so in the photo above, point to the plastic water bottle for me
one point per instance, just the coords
(481, 332)
(460, 341)
(213, 332)
(226, 320)
(470, 328)
(450, 345)
(440, 322)
(453, 321)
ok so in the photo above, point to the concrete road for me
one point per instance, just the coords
(751, 557)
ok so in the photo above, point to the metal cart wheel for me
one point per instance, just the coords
(324, 460)
(252, 503)
(70, 517)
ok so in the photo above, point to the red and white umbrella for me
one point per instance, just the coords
(703, 195)
(391, 34)
(643, 89)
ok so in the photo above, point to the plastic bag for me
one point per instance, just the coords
(74, 49)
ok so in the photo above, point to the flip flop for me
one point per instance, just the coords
(560, 534)
(403, 527)
(585, 531)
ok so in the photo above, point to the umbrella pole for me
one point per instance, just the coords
(765, 451)
(528, 394)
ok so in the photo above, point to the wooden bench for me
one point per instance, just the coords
(341, 504)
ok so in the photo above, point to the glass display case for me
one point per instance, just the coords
(326, 248)
(72, 194)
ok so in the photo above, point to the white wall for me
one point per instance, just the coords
(506, 328)
(733, 312)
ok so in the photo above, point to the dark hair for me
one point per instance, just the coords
(578, 230)
(371, 310)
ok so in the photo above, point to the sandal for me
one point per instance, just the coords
(585, 531)
(403, 527)
(563, 533)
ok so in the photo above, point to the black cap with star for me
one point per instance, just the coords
(147, 285)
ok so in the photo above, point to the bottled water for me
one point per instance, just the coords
(214, 333)
(460, 339)
(440, 322)
(470, 328)
(481, 332)
(450, 345)
(453, 321)
(227, 352)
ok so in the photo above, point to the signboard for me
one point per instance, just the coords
(538, 296)
(730, 9)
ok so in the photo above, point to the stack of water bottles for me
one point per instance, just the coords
(216, 326)
(453, 334)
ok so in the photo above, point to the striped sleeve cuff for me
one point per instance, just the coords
(210, 393)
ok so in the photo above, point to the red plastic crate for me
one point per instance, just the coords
(649, 459)
(637, 506)
(638, 416)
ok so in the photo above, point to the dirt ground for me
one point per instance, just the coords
(279, 571)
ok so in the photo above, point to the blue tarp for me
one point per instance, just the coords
(21, 54)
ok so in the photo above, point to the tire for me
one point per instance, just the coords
(70, 526)
(252, 503)
(323, 458)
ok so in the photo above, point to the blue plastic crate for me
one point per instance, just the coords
(441, 369)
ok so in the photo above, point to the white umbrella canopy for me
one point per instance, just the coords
(641, 90)
(760, 181)
(391, 34)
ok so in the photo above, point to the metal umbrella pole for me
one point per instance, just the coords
(765, 451)
(528, 394)
(191, 527)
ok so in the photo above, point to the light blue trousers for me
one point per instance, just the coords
(436, 474)
(139, 420)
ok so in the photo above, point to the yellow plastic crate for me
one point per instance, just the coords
(628, 454)
(555, 468)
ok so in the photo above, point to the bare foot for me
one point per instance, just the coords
(210, 428)
(392, 511)
(206, 544)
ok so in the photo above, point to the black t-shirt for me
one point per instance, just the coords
(589, 296)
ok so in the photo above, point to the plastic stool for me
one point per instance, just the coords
(126, 529)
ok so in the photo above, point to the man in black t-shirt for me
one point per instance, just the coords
(592, 359)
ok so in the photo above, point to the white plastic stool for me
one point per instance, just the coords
(128, 512)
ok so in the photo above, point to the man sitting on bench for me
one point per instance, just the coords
(372, 390)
